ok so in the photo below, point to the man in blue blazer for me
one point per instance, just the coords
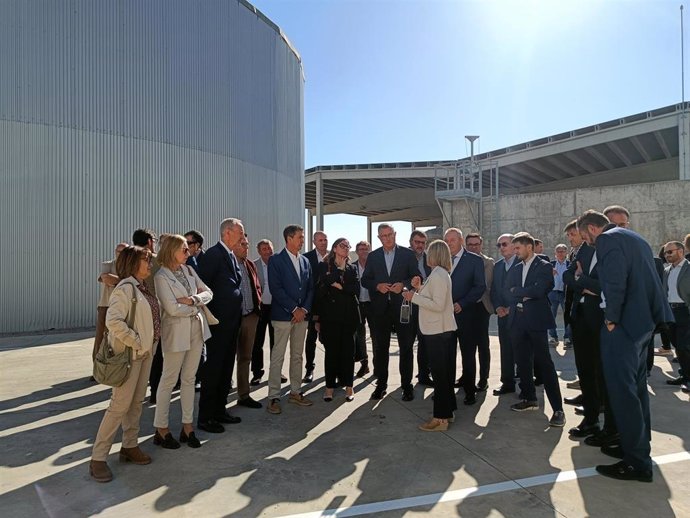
(501, 304)
(469, 284)
(220, 271)
(388, 271)
(529, 317)
(634, 305)
(292, 289)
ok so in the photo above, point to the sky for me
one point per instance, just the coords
(406, 80)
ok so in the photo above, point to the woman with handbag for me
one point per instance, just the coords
(184, 330)
(336, 312)
(437, 324)
(132, 320)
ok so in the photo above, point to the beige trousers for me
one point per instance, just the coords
(100, 329)
(124, 411)
(245, 344)
(184, 365)
(285, 331)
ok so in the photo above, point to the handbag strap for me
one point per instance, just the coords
(133, 308)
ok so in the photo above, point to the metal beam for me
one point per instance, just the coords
(536, 165)
(598, 156)
(637, 144)
(557, 162)
(619, 153)
(579, 161)
(412, 214)
(389, 200)
(662, 144)
(524, 170)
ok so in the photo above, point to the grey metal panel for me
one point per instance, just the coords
(115, 115)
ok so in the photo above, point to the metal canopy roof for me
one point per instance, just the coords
(642, 148)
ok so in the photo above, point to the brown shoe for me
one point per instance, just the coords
(134, 455)
(435, 425)
(299, 399)
(99, 471)
(274, 406)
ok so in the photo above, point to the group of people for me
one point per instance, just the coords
(197, 313)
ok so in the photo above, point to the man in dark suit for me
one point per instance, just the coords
(469, 283)
(539, 250)
(418, 241)
(634, 306)
(265, 250)
(219, 270)
(676, 287)
(557, 295)
(529, 317)
(292, 288)
(195, 242)
(314, 256)
(389, 269)
(501, 304)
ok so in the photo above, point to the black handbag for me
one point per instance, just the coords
(109, 367)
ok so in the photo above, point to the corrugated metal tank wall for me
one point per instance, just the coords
(115, 115)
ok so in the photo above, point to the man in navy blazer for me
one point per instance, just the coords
(314, 256)
(529, 317)
(469, 284)
(388, 271)
(292, 290)
(220, 271)
(634, 305)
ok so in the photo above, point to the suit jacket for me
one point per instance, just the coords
(194, 261)
(332, 304)
(587, 281)
(469, 284)
(435, 301)
(536, 311)
(288, 290)
(255, 283)
(258, 266)
(498, 282)
(221, 273)
(489, 277)
(313, 258)
(683, 285)
(630, 283)
(427, 268)
(176, 318)
(403, 269)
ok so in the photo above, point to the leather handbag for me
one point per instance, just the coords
(110, 367)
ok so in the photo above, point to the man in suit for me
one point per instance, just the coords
(292, 288)
(418, 241)
(484, 310)
(251, 300)
(575, 240)
(529, 317)
(557, 294)
(195, 242)
(634, 305)
(362, 249)
(314, 256)
(220, 271)
(390, 269)
(501, 305)
(676, 286)
(539, 250)
(265, 250)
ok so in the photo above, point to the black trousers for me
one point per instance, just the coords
(339, 342)
(532, 349)
(217, 372)
(156, 370)
(310, 347)
(483, 346)
(383, 324)
(441, 354)
(468, 336)
(507, 355)
(680, 338)
(260, 338)
(423, 369)
(361, 335)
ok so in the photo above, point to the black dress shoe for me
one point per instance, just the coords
(256, 380)
(600, 439)
(675, 381)
(538, 382)
(168, 442)
(378, 393)
(623, 471)
(459, 382)
(408, 394)
(363, 371)
(249, 403)
(482, 386)
(190, 439)
(584, 429)
(580, 410)
(228, 419)
(283, 379)
(504, 390)
(152, 399)
(426, 381)
(614, 451)
(577, 400)
(308, 377)
(210, 426)
(470, 399)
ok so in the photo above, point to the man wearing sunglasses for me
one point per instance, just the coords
(195, 242)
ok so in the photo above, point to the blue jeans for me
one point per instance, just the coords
(557, 298)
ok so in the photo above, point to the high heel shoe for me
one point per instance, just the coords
(434, 425)
(190, 439)
(167, 442)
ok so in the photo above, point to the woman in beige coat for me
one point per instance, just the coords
(437, 324)
(184, 330)
(133, 265)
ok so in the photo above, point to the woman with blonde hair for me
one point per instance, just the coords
(437, 324)
(133, 266)
(184, 330)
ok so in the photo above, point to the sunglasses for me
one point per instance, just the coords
(502, 245)
(670, 252)
(190, 243)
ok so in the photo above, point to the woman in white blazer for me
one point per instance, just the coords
(437, 324)
(184, 330)
(133, 265)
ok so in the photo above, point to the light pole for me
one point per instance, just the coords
(471, 139)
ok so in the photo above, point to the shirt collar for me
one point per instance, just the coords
(527, 264)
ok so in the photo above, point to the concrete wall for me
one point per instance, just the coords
(660, 212)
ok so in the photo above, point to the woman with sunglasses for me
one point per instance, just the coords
(184, 330)
(336, 313)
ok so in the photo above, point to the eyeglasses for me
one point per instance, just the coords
(185, 250)
(503, 244)
(418, 242)
(344, 245)
(386, 236)
(473, 244)
(190, 243)
(670, 252)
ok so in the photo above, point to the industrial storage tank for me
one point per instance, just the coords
(170, 115)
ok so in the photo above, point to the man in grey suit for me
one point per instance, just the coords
(676, 286)
(634, 305)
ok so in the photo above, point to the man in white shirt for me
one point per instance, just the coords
(265, 250)
(676, 286)
(362, 249)
(315, 256)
